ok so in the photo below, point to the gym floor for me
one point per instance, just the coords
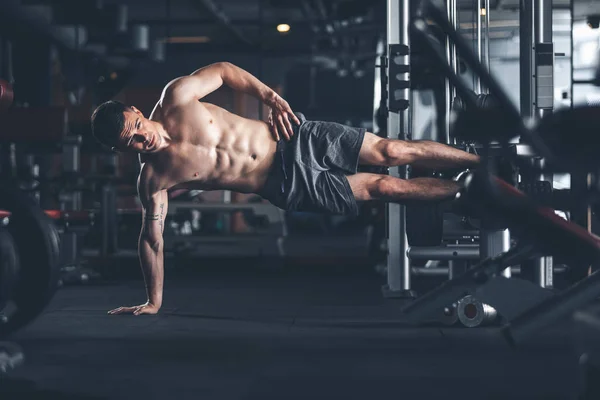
(248, 333)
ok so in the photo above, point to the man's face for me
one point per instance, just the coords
(139, 134)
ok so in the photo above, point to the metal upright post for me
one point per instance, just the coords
(537, 88)
(398, 72)
(571, 45)
(487, 36)
(526, 45)
(493, 242)
(450, 54)
(455, 24)
(478, 40)
(544, 57)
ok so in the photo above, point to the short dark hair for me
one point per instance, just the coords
(108, 123)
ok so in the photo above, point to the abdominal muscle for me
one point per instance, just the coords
(218, 150)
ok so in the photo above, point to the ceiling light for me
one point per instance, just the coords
(283, 28)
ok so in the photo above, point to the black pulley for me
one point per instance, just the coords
(37, 242)
(484, 101)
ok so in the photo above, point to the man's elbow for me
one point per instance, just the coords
(224, 64)
(156, 244)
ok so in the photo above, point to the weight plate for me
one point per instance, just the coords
(37, 243)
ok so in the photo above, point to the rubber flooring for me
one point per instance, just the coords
(235, 333)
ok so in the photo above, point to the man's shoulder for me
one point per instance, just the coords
(177, 92)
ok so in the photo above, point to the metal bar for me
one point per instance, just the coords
(398, 264)
(542, 28)
(403, 134)
(488, 80)
(455, 22)
(450, 291)
(487, 38)
(544, 69)
(443, 271)
(461, 88)
(260, 57)
(571, 88)
(557, 307)
(526, 58)
(450, 252)
(494, 242)
(479, 45)
(447, 87)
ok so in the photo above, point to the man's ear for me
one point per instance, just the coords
(135, 110)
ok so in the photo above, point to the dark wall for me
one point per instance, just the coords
(336, 98)
(345, 99)
(180, 62)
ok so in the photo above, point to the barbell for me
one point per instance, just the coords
(29, 260)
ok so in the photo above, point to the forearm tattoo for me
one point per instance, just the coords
(152, 217)
(162, 214)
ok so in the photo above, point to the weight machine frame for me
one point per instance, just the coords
(542, 306)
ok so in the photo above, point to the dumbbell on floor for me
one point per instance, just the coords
(473, 312)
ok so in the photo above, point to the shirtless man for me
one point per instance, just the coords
(293, 163)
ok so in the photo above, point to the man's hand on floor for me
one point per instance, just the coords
(146, 308)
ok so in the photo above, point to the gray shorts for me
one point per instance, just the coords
(309, 172)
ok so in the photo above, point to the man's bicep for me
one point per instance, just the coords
(154, 214)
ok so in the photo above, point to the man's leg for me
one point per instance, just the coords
(366, 186)
(418, 153)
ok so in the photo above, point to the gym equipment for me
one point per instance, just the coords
(266, 239)
(472, 312)
(9, 267)
(424, 224)
(541, 232)
(587, 329)
(11, 356)
(482, 101)
(36, 242)
(538, 229)
(449, 315)
(404, 222)
(397, 101)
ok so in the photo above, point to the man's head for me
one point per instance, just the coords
(124, 128)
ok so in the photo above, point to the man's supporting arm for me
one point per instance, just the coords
(150, 251)
(151, 244)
